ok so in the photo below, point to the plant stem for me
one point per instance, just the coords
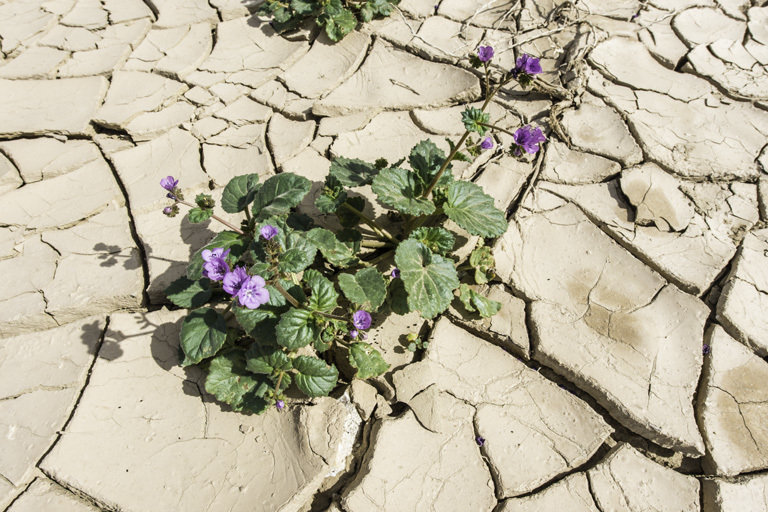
(285, 294)
(375, 244)
(457, 147)
(329, 315)
(380, 257)
(214, 217)
(494, 127)
(247, 214)
(371, 223)
(295, 303)
(277, 386)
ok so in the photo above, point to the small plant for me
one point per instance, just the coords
(338, 17)
(290, 299)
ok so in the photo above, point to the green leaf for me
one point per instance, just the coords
(352, 172)
(401, 190)
(482, 260)
(397, 297)
(303, 7)
(324, 297)
(429, 278)
(296, 329)
(472, 117)
(227, 240)
(198, 215)
(472, 209)
(375, 8)
(267, 359)
(365, 288)
(314, 377)
(474, 301)
(439, 240)
(299, 253)
(348, 219)
(337, 20)
(230, 382)
(279, 194)
(336, 252)
(239, 193)
(426, 159)
(367, 360)
(250, 318)
(203, 333)
(465, 296)
(186, 293)
(333, 195)
(485, 306)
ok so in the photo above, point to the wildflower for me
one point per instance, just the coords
(528, 138)
(268, 232)
(705, 350)
(487, 143)
(485, 53)
(480, 441)
(168, 183)
(280, 405)
(395, 273)
(252, 293)
(215, 266)
(171, 211)
(353, 333)
(526, 65)
(234, 280)
(361, 319)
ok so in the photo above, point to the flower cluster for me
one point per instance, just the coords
(362, 321)
(172, 186)
(249, 290)
(527, 139)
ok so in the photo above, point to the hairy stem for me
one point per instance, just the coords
(285, 294)
(214, 217)
(383, 233)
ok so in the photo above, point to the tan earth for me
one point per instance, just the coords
(626, 370)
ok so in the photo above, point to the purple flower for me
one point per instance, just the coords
(528, 138)
(234, 280)
(705, 350)
(480, 441)
(353, 333)
(361, 319)
(485, 53)
(487, 143)
(215, 267)
(395, 273)
(252, 293)
(268, 232)
(527, 65)
(168, 183)
(167, 210)
(280, 405)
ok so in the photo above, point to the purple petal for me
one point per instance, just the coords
(268, 232)
(206, 254)
(168, 183)
(361, 319)
(487, 143)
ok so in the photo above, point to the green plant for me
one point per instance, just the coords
(338, 17)
(291, 298)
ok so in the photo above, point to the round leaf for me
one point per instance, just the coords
(314, 377)
(239, 193)
(279, 194)
(472, 209)
(429, 279)
(367, 360)
(296, 329)
(401, 190)
(229, 381)
(186, 293)
(203, 333)
(198, 215)
(367, 286)
(324, 296)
